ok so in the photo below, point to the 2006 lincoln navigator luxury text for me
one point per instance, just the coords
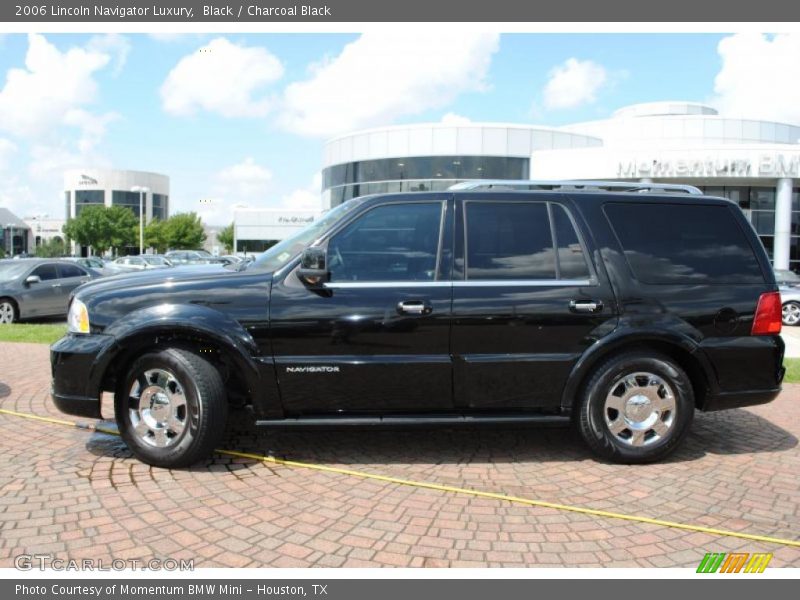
(624, 307)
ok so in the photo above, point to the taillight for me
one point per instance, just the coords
(767, 320)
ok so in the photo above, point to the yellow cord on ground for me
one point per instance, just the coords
(453, 489)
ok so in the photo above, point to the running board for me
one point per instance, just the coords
(422, 420)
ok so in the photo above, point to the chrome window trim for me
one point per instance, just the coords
(525, 283)
(386, 284)
(471, 283)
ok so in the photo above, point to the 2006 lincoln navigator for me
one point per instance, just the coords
(623, 307)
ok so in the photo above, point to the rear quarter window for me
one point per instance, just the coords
(683, 243)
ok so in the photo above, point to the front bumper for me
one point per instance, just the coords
(76, 384)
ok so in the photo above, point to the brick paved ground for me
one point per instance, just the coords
(78, 494)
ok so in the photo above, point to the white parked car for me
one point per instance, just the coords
(790, 300)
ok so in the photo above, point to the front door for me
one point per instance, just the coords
(376, 339)
(43, 298)
(527, 302)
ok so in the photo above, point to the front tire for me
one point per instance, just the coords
(636, 408)
(171, 408)
(790, 314)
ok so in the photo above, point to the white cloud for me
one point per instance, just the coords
(758, 77)
(573, 83)
(249, 184)
(308, 198)
(245, 181)
(383, 76)
(113, 44)
(36, 99)
(20, 199)
(7, 150)
(452, 118)
(221, 77)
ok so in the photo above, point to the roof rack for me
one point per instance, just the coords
(575, 186)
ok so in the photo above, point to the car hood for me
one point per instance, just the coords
(147, 277)
(225, 290)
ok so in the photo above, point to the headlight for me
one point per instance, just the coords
(78, 317)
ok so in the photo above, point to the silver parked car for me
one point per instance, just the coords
(143, 262)
(790, 302)
(31, 287)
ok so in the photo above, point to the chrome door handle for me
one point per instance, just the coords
(414, 307)
(590, 306)
(55, 285)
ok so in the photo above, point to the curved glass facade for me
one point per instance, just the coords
(758, 203)
(88, 197)
(127, 199)
(416, 174)
(160, 206)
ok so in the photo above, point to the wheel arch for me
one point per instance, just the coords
(198, 329)
(684, 351)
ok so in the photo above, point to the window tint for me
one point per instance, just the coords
(46, 272)
(509, 240)
(71, 271)
(394, 242)
(571, 258)
(674, 243)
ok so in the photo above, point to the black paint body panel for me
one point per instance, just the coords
(481, 349)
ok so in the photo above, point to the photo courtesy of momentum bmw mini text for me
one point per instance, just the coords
(367, 299)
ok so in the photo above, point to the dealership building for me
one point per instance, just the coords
(116, 187)
(755, 163)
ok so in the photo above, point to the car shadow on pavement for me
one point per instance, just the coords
(4, 390)
(724, 433)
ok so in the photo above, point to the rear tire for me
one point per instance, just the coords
(636, 408)
(8, 312)
(171, 408)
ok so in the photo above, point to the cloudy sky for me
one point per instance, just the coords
(241, 119)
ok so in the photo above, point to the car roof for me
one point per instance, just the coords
(578, 196)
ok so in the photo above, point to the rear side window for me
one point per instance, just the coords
(68, 271)
(681, 243)
(517, 241)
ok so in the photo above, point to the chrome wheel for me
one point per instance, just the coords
(791, 313)
(6, 312)
(639, 409)
(157, 409)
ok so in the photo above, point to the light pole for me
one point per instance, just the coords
(142, 191)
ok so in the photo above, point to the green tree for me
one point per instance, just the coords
(103, 227)
(123, 228)
(184, 231)
(89, 228)
(155, 235)
(52, 248)
(225, 237)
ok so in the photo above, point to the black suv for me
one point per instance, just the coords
(621, 307)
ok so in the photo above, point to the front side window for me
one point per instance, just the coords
(46, 272)
(393, 242)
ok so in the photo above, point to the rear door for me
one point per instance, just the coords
(70, 277)
(376, 339)
(527, 301)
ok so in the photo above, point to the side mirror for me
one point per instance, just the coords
(313, 269)
(32, 279)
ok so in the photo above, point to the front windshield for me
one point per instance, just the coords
(154, 260)
(282, 252)
(12, 270)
